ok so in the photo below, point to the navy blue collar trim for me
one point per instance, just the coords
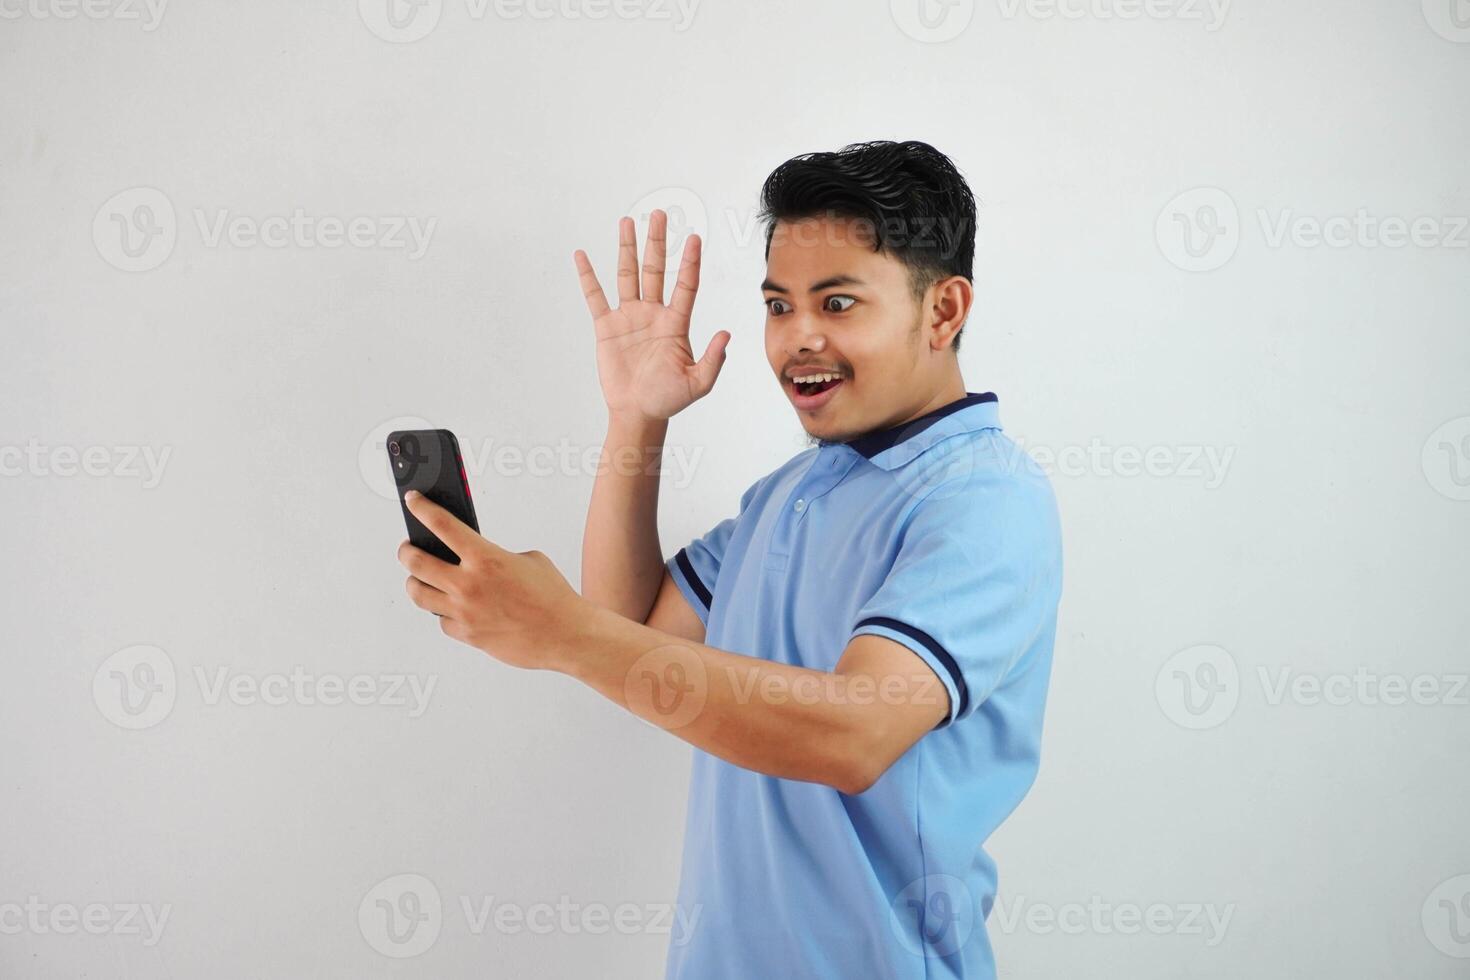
(873, 443)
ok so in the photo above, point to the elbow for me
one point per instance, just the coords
(857, 771)
(858, 781)
(854, 786)
(854, 748)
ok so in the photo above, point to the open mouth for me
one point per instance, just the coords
(811, 391)
(809, 388)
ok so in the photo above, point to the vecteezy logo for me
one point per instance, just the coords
(932, 21)
(411, 462)
(401, 916)
(135, 687)
(667, 686)
(1446, 917)
(1199, 230)
(933, 916)
(1450, 19)
(135, 230)
(687, 216)
(1446, 459)
(1199, 687)
(373, 457)
(942, 472)
(400, 21)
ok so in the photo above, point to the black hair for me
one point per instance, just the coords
(910, 197)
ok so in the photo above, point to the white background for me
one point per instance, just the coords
(1332, 543)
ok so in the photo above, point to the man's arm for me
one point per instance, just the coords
(648, 374)
(842, 728)
(622, 562)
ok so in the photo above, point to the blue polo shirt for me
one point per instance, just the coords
(941, 535)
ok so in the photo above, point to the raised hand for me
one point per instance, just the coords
(644, 361)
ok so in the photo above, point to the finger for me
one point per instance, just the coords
(707, 369)
(426, 596)
(460, 537)
(627, 261)
(425, 567)
(654, 257)
(591, 288)
(682, 301)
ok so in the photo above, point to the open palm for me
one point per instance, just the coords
(644, 361)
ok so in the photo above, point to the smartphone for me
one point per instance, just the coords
(428, 460)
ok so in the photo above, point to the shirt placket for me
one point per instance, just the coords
(831, 466)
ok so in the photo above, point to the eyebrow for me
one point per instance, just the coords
(828, 283)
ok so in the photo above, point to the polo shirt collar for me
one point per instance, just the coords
(892, 447)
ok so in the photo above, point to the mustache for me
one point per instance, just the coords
(797, 367)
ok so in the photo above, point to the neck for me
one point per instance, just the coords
(953, 389)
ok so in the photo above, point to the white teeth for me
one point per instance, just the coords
(811, 379)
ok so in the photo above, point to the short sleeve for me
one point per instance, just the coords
(975, 583)
(695, 567)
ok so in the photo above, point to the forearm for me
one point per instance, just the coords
(773, 718)
(622, 563)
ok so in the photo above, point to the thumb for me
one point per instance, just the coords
(707, 368)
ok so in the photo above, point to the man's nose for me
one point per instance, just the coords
(806, 334)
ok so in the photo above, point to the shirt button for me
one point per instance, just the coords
(800, 505)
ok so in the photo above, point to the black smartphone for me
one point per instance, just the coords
(428, 460)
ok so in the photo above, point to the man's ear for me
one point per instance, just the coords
(949, 304)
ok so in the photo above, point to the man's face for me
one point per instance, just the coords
(843, 330)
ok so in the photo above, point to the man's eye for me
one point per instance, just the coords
(776, 306)
(838, 304)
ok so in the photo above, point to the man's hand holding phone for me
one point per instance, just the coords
(512, 605)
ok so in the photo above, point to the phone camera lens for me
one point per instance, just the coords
(393, 448)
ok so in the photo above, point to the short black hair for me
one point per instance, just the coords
(912, 199)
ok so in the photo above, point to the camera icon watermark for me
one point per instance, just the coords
(667, 687)
(400, 916)
(932, 21)
(1446, 917)
(687, 216)
(401, 21)
(135, 230)
(1446, 459)
(136, 687)
(372, 454)
(1450, 19)
(933, 916)
(1199, 687)
(1199, 230)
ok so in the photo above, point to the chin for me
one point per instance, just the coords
(824, 433)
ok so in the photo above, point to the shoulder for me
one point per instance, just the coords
(985, 485)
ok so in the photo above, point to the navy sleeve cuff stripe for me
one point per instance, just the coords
(682, 560)
(933, 646)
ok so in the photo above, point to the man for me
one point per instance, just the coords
(860, 656)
